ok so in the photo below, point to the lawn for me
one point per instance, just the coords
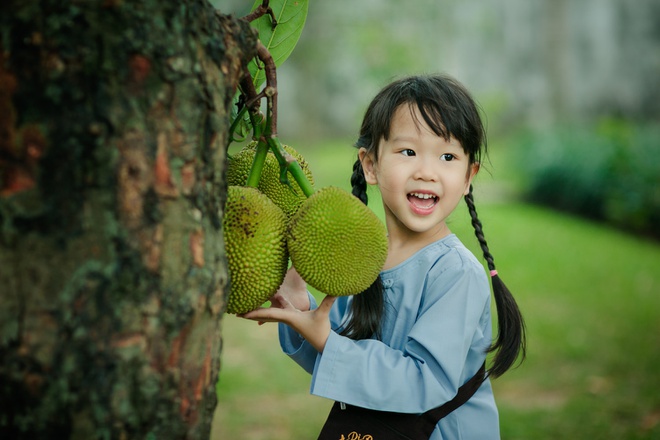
(590, 297)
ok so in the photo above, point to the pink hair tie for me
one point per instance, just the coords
(493, 273)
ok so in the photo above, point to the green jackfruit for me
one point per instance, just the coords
(255, 243)
(336, 243)
(287, 197)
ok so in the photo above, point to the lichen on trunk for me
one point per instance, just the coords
(113, 122)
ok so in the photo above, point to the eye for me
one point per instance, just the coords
(408, 152)
(447, 157)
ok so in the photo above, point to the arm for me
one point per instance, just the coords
(295, 346)
(444, 345)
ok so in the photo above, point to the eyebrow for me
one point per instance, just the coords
(403, 139)
(453, 143)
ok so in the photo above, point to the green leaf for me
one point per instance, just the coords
(280, 42)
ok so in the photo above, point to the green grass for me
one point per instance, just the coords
(590, 297)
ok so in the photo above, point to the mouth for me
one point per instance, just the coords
(422, 202)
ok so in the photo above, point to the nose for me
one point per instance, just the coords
(426, 171)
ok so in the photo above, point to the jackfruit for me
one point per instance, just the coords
(287, 197)
(255, 244)
(336, 243)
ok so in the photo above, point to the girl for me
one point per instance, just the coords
(423, 328)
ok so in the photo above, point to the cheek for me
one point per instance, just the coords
(381, 174)
(390, 179)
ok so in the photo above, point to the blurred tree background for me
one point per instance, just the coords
(537, 67)
(571, 94)
(529, 62)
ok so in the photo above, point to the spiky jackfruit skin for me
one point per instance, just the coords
(255, 243)
(336, 243)
(287, 197)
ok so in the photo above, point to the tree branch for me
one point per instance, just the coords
(271, 88)
(260, 11)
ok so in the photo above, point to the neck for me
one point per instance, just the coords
(403, 245)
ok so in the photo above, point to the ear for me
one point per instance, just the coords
(368, 166)
(472, 171)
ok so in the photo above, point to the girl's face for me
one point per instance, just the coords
(421, 176)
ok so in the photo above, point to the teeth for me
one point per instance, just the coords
(423, 196)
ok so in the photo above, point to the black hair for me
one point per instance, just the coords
(450, 111)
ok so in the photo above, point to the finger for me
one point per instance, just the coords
(268, 315)
(252, 314)
(283, 302)
(280, 301)
(277, 300)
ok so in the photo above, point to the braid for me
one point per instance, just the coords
(511, 340)
(478, 230)
(367, 307)
(358, 182)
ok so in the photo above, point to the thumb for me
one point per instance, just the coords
(278, 300)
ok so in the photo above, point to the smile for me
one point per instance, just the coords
(422, 203)
(423, 196)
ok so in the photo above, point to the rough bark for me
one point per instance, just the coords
(113, 126)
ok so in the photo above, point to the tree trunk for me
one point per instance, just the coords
(113, 126)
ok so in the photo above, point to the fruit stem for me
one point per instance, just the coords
(257, 121)
(257, 164)
(290, 164)
(286, 161)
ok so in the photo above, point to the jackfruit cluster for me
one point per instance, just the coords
(336, 243)
(255, 241)
(287, 197)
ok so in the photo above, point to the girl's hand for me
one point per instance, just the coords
(313, 325)
(294, 289)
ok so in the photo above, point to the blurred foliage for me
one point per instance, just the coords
(609, 171)
(528, 62)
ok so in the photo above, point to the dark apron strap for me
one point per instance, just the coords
(466, 391)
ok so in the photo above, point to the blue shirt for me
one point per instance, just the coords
(435, 331)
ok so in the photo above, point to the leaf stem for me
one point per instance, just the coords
(235, 124)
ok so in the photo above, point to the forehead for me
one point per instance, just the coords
(408, 124)
(408, 118)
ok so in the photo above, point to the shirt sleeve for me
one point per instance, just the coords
(296, 347)
(433, 363)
